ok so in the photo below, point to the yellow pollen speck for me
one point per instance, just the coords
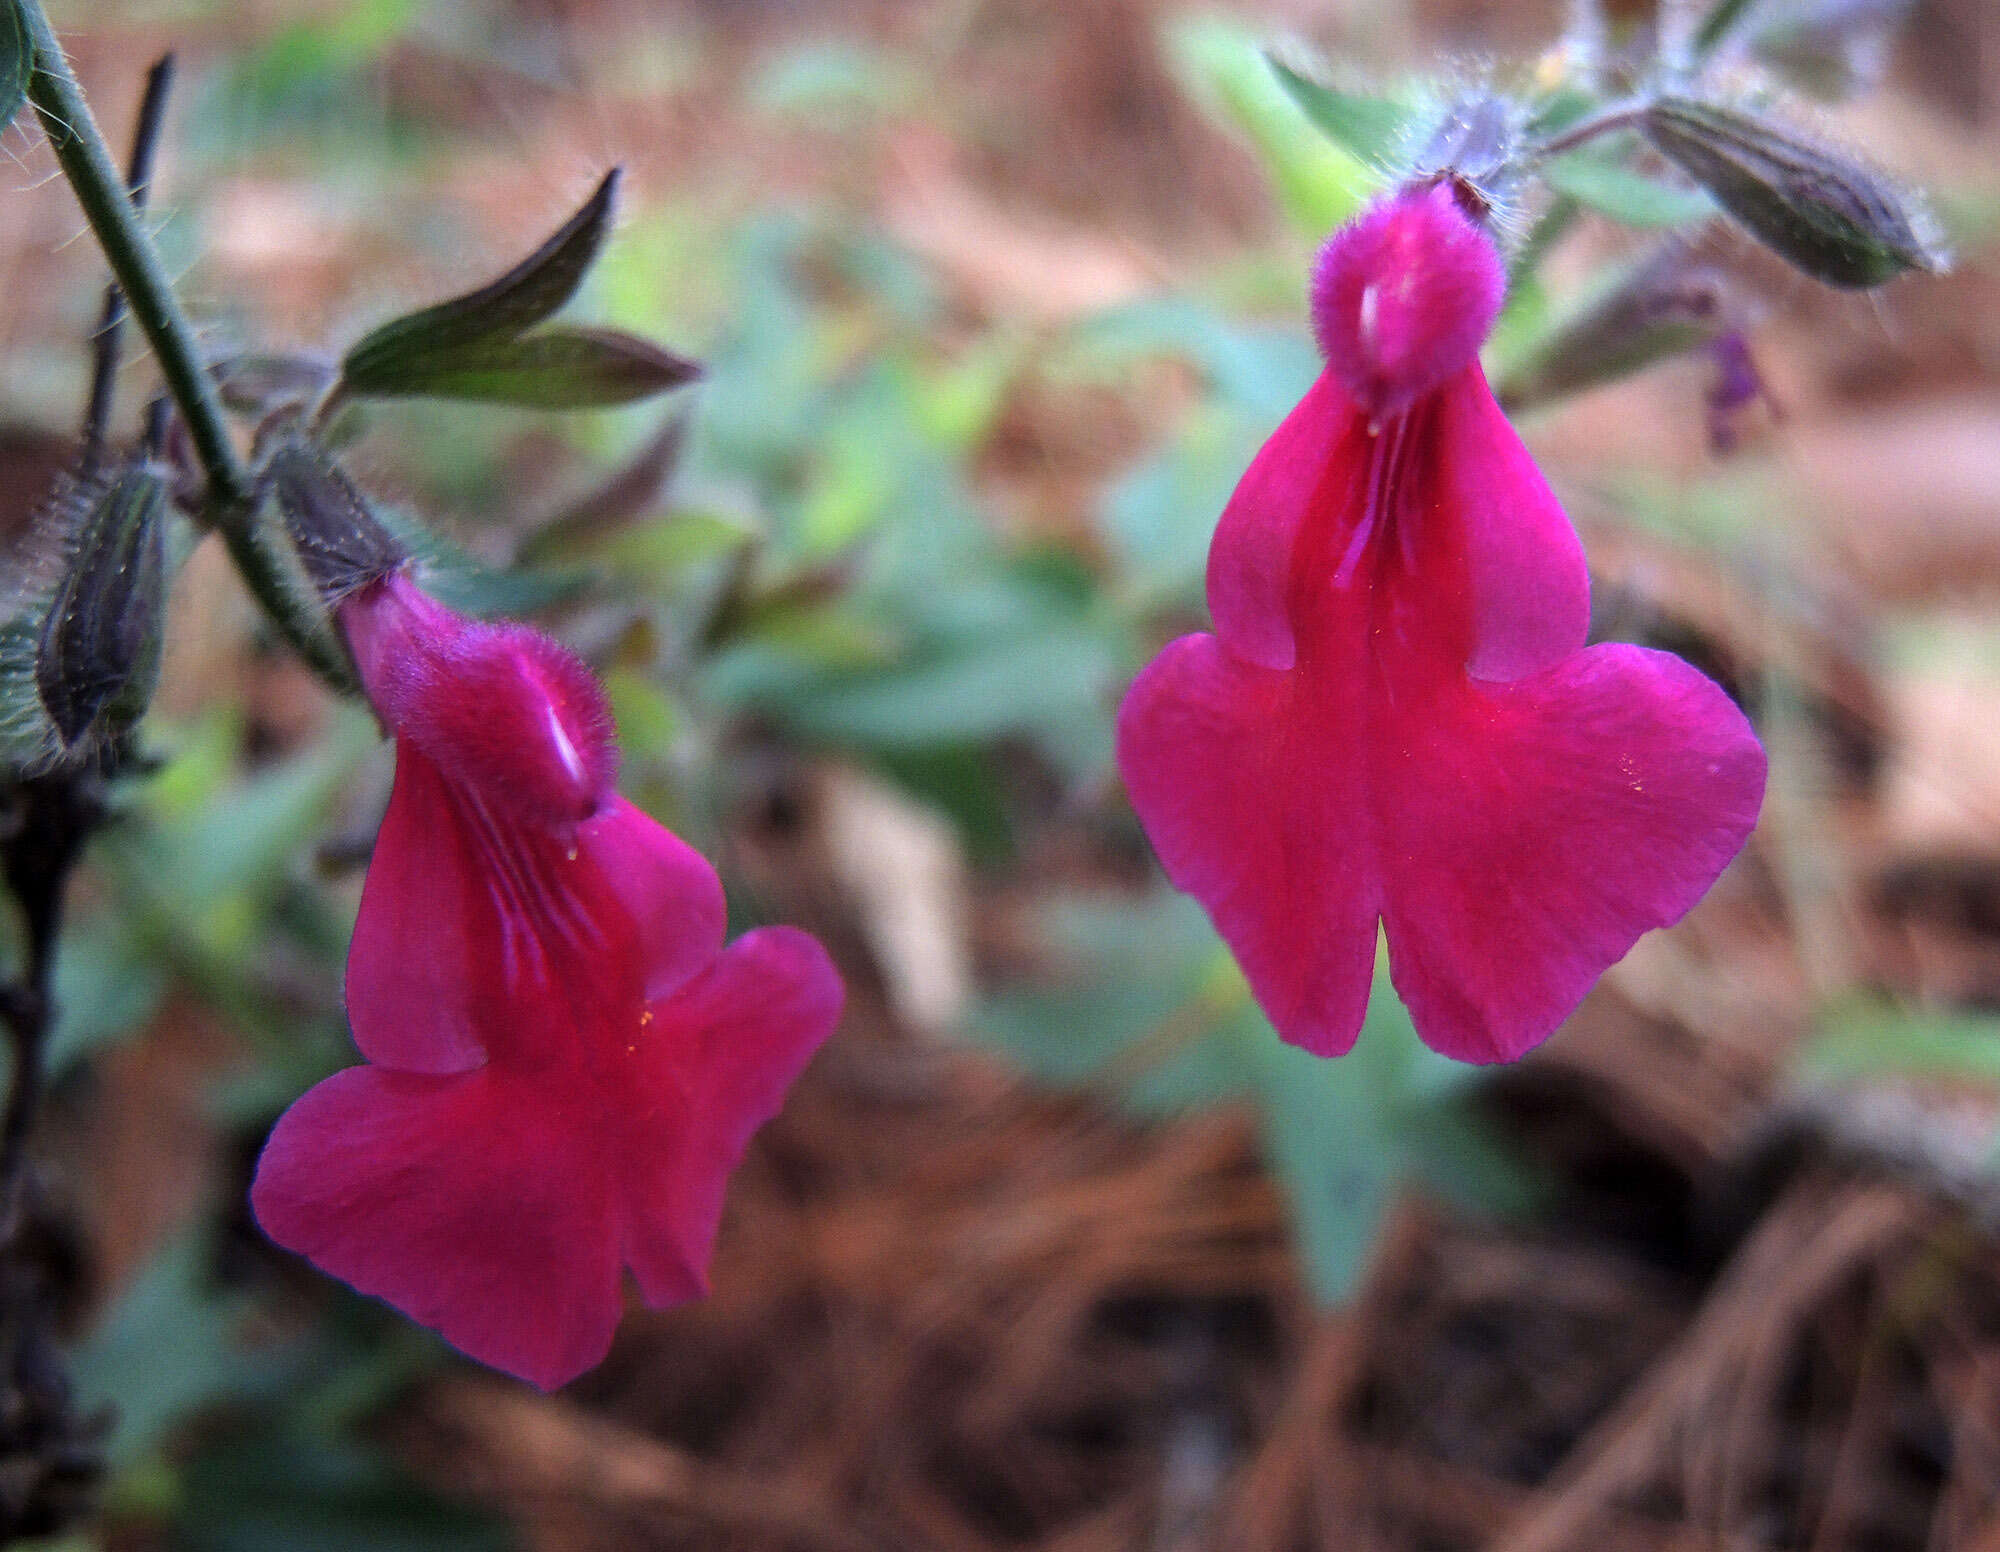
(645, 1017)
(572, 854)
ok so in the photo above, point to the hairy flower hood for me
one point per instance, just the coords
(1397, 720)
(563, 1061)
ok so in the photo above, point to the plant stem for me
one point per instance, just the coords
(56, 815)
(79, 147)
(138, 176)
(231, 505)
(1621, 115)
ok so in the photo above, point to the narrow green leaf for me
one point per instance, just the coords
(273, 1491)
(167, 1349)
(14, 62)
(1605, 184)
(551, 369)
(1722, 19)
(1370, 129)
(523, 297)
(1319, 183)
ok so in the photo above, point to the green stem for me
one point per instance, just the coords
(231, 507)
(1622, 115)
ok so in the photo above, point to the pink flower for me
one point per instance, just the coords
(1397, 719)
(564, 1062)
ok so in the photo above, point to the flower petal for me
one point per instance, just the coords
(725, 1048)
(1529, 583)
(478, 1205)
(1310, 461)
(1545, 825)
(420, 975)
(663, 885)
(1253, 792)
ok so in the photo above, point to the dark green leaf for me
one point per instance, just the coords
(168, 1348)
(634, 491)
(551, 369)
(509, 306)
(1722, 19)
(1818, 209)
(1608, 186)
(15, 60)
(996, 688)
(1371, 129)
(277, 1492)
(108, 983)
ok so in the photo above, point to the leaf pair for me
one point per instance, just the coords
(490, 345)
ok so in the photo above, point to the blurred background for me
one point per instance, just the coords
(1055, 1246)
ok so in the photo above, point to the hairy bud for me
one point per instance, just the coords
(1820, 211)
(97, 657)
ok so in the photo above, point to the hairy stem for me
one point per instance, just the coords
(1619, 116)
(231, 505)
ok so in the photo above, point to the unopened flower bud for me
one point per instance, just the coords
(97, 658)
(1663, 305)
(1820, 211)
(341, 544)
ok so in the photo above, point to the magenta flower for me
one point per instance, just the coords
(1397, 719)
(564, 1062)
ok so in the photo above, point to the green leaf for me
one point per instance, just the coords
(461, 581)
(276, 1491)
(108, 983)
(986, 691)
(551, 369)
(1157, 1013)
(1873, 1040)
(1608, 186)
(16, 59)
(665, 548)
(501, 310)
(1723, 17)
(1370, 129)
(1319, 183)
(168, 1348)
